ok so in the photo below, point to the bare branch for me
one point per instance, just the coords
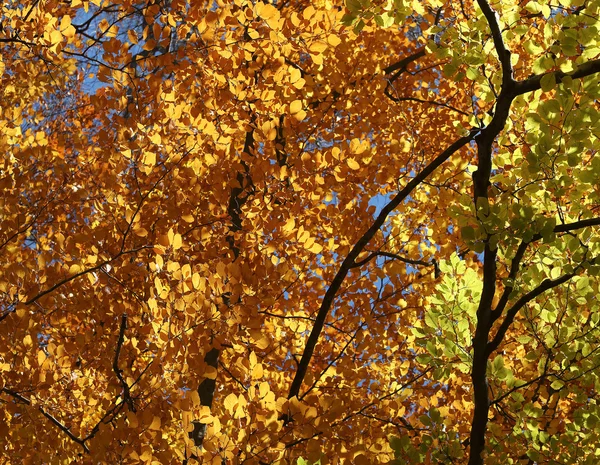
(418, 100)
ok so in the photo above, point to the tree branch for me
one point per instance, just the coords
(418, 100)
(126, 389)
(82, 273)
(404, 62)
(394, 257)
(362, 242)
(503, 53)
(50, 417)
(561, 228)
(545, 285)
(516, 261)
(481, 182)
(512, 275)
(206, 392)
(534, 82)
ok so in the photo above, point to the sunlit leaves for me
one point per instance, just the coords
(202, 172)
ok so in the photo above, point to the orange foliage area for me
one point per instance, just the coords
(182, 183)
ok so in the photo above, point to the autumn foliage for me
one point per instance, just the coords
(277, 233)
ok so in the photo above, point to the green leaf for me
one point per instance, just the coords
(557, 384)
(548, 82)
(498, 363)
(359, 26)
(533, 7)
(387, 19)
(467, 233)
(354, 6)
(424, 359)
(348, 19)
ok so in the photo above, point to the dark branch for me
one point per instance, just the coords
(349, 261)
(503, 53)
(206, 392)
(562, 228)
(404, 62)
(516, 261)
(82, 273)
(545, 285)
(481, 182)
(534, 82)
(50, 417)
(418, 100)
(394, 257)
(512, 275)
(126, 389)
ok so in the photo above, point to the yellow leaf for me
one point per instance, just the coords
(309, 243)
(289, 225)
(177, 241)
(295, 106)
(132, 419)
(259, 339)
(317, 47)
(316, 248)
(194, 397)
(303, 236)
(317, 58)
(352, 164)
(155, 138)
(55, 37)
(155, 425)
(230, 402)
(268, 13)
(27, 341)
(149, 158)
(308, 12)
(158, 285)
(186, 271)
(257, 371)
(146, 454)
(196, 280)
(210, 373)
(264, 389)
(295, 74)
(66, 28)
(131, 34)
(300, 115)
(333, 40)
(142, 232)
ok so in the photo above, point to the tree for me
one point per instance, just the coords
(244, 232)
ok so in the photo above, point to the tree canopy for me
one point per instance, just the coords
(275, 233)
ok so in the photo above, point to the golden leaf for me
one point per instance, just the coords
(230, 403)
(155, 425)
(352, 164)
